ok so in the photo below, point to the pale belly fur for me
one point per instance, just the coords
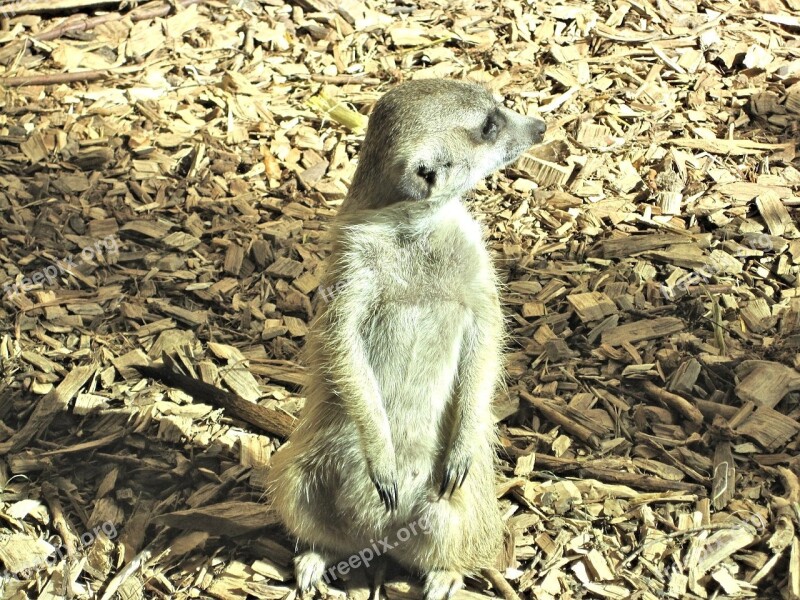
(414, 351)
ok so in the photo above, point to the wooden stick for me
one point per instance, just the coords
(711, 409)
(54, 78)
(550, 411)
(150, 10)
(30, 7)
(499, 583)
(640, 482)
(588, 470)
(62, 524)
(345, 79)
(678, 403)
(267, 419)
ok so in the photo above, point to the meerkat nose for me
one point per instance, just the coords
(537, 127)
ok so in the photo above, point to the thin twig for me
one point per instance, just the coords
(500, 584)
(54, 78)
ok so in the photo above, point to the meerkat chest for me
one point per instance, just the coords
(444, 261)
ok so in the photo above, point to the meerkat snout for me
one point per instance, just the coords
(537, 128)
(396, 440)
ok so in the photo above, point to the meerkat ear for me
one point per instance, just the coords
(417, 180)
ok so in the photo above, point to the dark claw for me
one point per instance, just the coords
(453, 479)
(448, 476)
(464, 474)
(388, 494)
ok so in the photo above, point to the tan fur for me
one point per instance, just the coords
(406, 354)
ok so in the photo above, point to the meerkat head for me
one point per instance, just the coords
(432, 140)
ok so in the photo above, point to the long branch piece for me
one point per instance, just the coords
(31, 7)
(500, 584)
(551, 412)
(54, 78)
(151, 10)
(267, 419)
(675, 402)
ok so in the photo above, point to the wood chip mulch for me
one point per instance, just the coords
(168, 170)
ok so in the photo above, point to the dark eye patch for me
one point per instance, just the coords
(491, 126)
(429, 175)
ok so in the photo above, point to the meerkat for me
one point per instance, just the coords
(405, 355)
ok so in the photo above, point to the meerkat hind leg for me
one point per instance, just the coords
(442, 584)
(357, 585)
(309, 568)
(378, 572)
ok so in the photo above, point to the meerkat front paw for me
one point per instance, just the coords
(309, 568)
(387, 490)
(455, 472)
(384, 478)
(441, 585)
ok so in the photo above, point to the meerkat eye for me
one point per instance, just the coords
(429, 175)
(490, 129)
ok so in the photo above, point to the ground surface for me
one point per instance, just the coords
(167, 172)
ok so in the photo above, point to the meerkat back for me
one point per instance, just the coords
(397, 432)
